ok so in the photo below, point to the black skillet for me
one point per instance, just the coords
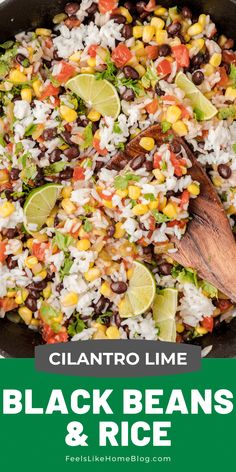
(18, 15)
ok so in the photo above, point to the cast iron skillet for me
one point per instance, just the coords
(18, 15)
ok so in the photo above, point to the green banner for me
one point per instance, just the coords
(200, 435)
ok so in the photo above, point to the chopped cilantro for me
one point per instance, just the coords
(63, 241)
(103, 317)
(165, 126)
(87, 225)
(131, 84)
(29, 172)
(209, 289)
(2, 141)
(109, 73)
(185, 275)
(30, 129)
(18, 148)
(160, 217)
(7, 45)
(150, 197)
(88, 136)
(228, 112)
(65, 269)
(233, 74)
(121, 182)
(121, 146)
(116, 128)
(76, 327)
(54, 168)
(150, 77)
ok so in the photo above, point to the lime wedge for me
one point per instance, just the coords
(39, 205)
(98, 94)
(140, 294)
(164, 310)
(200, 103)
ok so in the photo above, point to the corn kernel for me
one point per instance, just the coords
(99, 335)
(170, 210)
(119, 231)
(160, 11)
(92, 274)
(68, 114)
(193, 189)
(25, 314)
(66, 191)
(11, 294)
(91, 61)
(43, 32)
(158, 23)
(50, 221)
(31, 261)
(217, 181)
(134, 192)
(47, 290)
(107, 204)
(17, 77)
(105, 290)
(37, 268)
(161, 36)
(148, 33)
(34, 322)
(179, 327)
(37, 86)
(94, 115)
(162, 203)
(70, 299)
(140, 69)
(200, 330)
(59, 18)
(173, 114)
(125, 12)
(140, 209)
(99, 327)
(68, 206)
(83, 245)
(202, 20)
(147, 143)
(26, 94)
(154, 205)
(75, 57)
(4, 176)
(180, 128)
(122, 193)
(230, 93)
(21, 296)
(112, 332)
(216, 59)
(43, 274)
(195, 29)
(6, 209)
(159, 176)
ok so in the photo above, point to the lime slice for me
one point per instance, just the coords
(98, 94)
(164, 310)
(39, 205)
(140, 294)
(200, 103)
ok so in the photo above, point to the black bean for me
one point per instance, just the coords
(175, 146)
(66, 174)
(186, 12)
(127, 31)
(174, 28)
(56, 55)
(198, 77)
(117, 320)
(119, 287)
(49, 134)
(66, 136)
(11, 264)
(137, 162)
(158, 90)
(197, 60)
(98, 166)
(92, 9)
(9, 233)
(142, 226)
(82, 122)
(164, 50)
(71, 8)
(148, 250)
(35, 294)
(165, 268)
(72, 152)
(130, 6)
(100, 305)
(110, 231)
(140, 7)
(38, 286)
(7, 138)
(8, 195)
(55, 156)
(31, 303)
(14, 173)
(130, 73)
(170, 193)
(59, 287)
(120, 19)
(224, 171)
(22, 60)
(128, 95)
(149, 165)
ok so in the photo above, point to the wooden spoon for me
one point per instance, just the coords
(208, 244)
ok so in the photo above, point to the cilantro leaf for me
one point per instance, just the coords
(103, 317)
(2, 141)
(209, 289)
(109, 73)
(185, 275)
(88, 137)
(65, 269)
(30, 129)
(121, 182)
(165, 126)
(63, 241)
(87, 226)
(7, 45)
(76, 327)
(131, 84)
(150, 77)
(150, 197)
(47, 313)
(54, 168)
(29, 172)
(160, 217)
(228, 112)
(116, 128)
(233, 74)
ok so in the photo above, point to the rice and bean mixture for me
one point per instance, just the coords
(68, 279)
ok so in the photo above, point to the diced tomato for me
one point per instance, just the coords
(49, 91)
(185, 113)
(224, 305)
(170, 98)
(151, 6)
(92, 50)
(164, 67)
(107, 5)
(208, 323)
(96, 145)
(78, 173)
(152, 107)
(152, 52)
(184, 198)
(181, 55)
(181, 223)
(50, 337)
(3, 256)
(177, 163)
(66, 72)
(156, 160)
(106, 197)
(8, 304)
(121, 55)
(72, 22)
(39, 250)
(224, 79)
